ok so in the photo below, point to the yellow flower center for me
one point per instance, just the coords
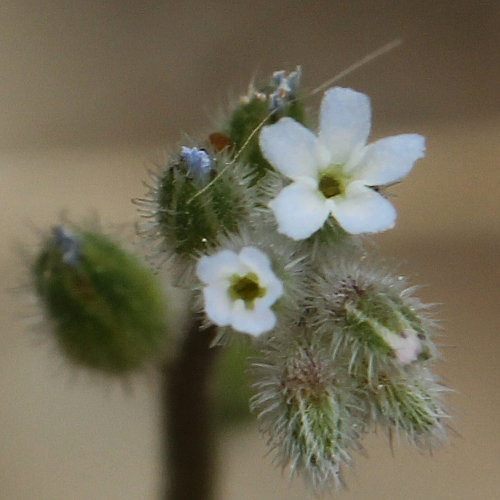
(246, 288)
(331, 182)
(329, 186)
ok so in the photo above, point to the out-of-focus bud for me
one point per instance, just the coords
(107, 310)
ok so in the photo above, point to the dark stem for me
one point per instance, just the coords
(188, 438)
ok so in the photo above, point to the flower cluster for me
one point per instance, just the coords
(343, 345)
(259, 223)
(352, 348)
(334, 173)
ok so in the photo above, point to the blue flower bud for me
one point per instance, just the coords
(285, 88)
(68, 245)
(198, 163)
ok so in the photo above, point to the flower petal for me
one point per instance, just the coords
(407, 347)
(390, 159)
(260, 264)
(291, 148)
(300, 210)
(344, 123)
(217, 267)
(218, 304)
(274, 290)
(363, 210)
(253, 321)
(257, 261)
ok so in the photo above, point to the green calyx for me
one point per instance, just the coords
(366, 334)
(108, 309)
(407, 405)
(316, 430)
(246, 120)
(381, 309)
(375, 319)
(193, 218)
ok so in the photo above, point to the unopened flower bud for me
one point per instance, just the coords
(195, 200)
(409, 404)
(198, 164)
(308, 409)
(107, 309)
(372, 317)
(260, 107)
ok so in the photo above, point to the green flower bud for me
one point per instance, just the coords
(196, 200)
(308, 409)
(260, 107)
(408, 404)
(372, 317)
(107, 310)
(249, 115)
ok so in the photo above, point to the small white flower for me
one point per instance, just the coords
(334, 172)
(240, 289)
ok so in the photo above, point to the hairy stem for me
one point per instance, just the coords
(189, 439)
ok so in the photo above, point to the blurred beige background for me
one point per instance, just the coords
(91, 90)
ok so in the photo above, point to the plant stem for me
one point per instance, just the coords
(188, 439)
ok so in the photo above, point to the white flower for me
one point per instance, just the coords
(334, 172)
(240, 289)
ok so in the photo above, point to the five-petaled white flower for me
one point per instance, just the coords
(240, 289)
(335, 172)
